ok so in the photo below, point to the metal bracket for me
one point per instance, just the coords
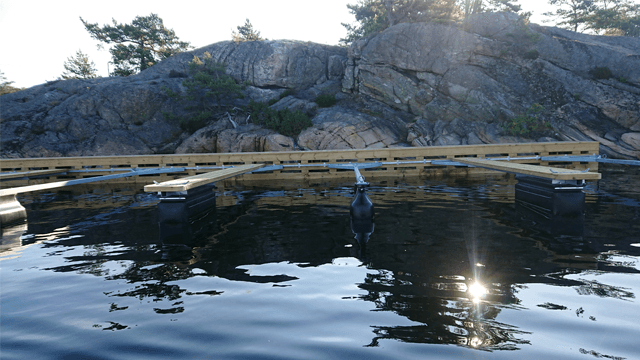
(268, 168)
(356, 168)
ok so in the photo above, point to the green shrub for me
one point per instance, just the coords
(285, 121)
(286, 93)
(326, 100)
(196, 122)
(531, 54)
(170, 93)
(208, 80)
(601, 72)
(525, 123)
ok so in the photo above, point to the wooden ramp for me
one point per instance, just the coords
(23, 174)
(191, 182)
(532, 170)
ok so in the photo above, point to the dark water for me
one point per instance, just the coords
(275, 273)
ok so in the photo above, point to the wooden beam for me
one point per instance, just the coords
(533, 170)
(15, 175)
(58, 184)
(191, 182)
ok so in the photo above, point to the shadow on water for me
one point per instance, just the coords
(433, 243)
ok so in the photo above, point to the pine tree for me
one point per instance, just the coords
(5, 86)
(470, 7)
(138, 45)
(246, 33)
(79, 67)
(376, 15)
(571, 14)
(615, 17)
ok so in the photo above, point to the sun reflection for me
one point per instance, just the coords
(475, 341)
(477, 291)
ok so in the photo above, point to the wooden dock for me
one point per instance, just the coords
(183, 177)
(303, 165)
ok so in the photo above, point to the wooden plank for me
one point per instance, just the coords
(191, 182)
(533, 170)
(58, 184)
(23, 174)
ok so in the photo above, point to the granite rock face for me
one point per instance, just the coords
(474, 82)
(492, 79)
(118, 116)
(342, 128)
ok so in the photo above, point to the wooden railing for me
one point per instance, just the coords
(199, 163)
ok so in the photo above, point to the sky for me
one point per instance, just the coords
(38, 36)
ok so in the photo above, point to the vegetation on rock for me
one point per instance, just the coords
(470, 7)
(601, 72)
(246, 33)
(209, 80)
(79, 67)
(210, 93)
(616, 17)
(326, 100)
(5, 86)
(608, 17)
(285, 121)
(209, 89)
(138, 45)
(530, 121)
(373, 16)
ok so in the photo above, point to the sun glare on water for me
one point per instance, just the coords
(476, 292)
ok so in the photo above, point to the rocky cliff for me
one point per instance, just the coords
(493, 79)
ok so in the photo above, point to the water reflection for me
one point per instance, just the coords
(450, 259)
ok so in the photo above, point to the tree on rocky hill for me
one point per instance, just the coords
(571, 14)
(470, 7)
(5, 86)
(79, 67)
(615, 17)
(376, 15)
(138, 45)
(607, 17)
(246, 33)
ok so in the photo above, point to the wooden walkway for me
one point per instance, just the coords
(191, 182)
(532, 170)
(303, 165)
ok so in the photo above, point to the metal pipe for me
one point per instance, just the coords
(359, 177)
